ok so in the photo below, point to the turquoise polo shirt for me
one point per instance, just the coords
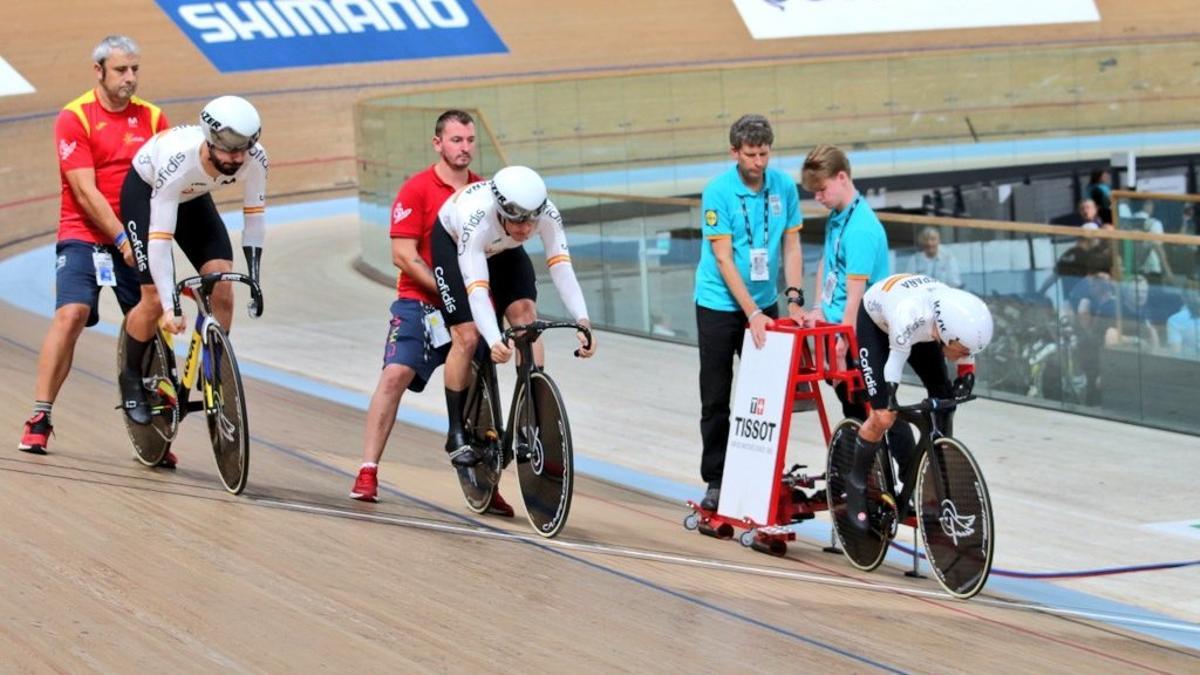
(856, 247)
(730, 210)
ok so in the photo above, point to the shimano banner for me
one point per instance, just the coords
(807, 18)
(262, 34)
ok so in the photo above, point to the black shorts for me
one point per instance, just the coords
(510, 277)
(199, 230)
(925, 358)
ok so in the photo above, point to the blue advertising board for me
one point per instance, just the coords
(242, 35)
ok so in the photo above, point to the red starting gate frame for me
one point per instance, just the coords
(813, 361)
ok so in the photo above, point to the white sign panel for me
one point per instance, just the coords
(755, 427)
(11, 81)
(768, 19)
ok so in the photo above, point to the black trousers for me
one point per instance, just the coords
(720, 336)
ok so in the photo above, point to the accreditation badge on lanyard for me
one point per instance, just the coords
(759, 271)
(103, 262)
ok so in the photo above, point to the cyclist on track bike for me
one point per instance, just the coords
(915, 319)
(483, 273)
(167, 197)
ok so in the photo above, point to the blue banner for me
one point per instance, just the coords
(242, 35)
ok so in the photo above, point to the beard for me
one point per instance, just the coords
(226, 168)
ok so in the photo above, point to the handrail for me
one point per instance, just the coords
(1156, 196)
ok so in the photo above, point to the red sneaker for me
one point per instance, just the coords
(37, 434)
(168, 461)
(499, 507)
(366, 486)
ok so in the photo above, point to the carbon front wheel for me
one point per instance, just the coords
(225, 410)
(954, 511)
(543, 453)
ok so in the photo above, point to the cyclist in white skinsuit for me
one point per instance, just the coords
(483, 272)
(167, 198)
(914, 319)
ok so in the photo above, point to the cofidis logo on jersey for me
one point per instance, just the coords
(262, 34)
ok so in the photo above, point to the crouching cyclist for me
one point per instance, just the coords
(167, 198)
(483, 272)
(914, 319)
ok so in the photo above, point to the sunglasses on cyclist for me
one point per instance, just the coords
(515, 214)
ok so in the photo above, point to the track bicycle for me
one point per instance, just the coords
(212, 369)
(538, 435)
(952, 510)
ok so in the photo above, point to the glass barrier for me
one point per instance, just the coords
(1096, 321)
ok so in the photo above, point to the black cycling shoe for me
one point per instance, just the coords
(461, 453)
(133, 398)
(856, 505)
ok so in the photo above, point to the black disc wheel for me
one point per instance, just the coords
(543, 453)
(481, 422)
(864, 549)
(955, 515)
(152, 441)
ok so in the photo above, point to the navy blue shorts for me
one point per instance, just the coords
(407, 344)
(75, 278)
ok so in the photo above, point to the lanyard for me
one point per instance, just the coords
(837, 244)
(766, 217)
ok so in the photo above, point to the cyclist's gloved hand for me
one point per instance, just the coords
(892, 388)
(254, 268)
(964, 385)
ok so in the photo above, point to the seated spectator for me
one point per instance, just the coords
(1183, 327)
(933, 261)
(1085, 213)
(1089, 255)
(1151, 258)
(1131, 326)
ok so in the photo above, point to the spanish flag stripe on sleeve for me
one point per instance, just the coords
(477, 284)
(887, 285)
(554, 260)
(162, 235)
(254, 209)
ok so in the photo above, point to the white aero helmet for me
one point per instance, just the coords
(231, 123)
(520, 193)
(963, 317)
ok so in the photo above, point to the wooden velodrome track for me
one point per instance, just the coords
(107, 566)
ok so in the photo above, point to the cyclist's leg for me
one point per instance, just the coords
(514, 291)
(873, 351)
(202, 237)
(464, 337)
(142, 320)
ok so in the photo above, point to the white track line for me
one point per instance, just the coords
(707, 563)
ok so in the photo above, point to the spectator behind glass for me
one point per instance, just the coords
(1133, 326)
(1099, 190)
(1151, 259)
(934, 261)
(1183, 327)
(1089, 255)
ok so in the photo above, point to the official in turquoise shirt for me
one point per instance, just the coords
(750, 220)
(856, 249)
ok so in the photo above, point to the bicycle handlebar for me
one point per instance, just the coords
(530, 332)
(204, 285)
(932, 404)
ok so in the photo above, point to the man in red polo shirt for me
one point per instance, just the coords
(96, 137)
(417, 339)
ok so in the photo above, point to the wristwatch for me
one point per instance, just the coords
(798, 298)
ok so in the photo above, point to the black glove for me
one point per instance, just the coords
(253, 268)
(964, 385)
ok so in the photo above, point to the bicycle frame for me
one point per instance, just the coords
(924, 417)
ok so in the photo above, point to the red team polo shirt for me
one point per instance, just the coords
(413, 216)
(87, 135)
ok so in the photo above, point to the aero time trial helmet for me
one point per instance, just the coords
(963, 317)
(520, 193)
(231, 123)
